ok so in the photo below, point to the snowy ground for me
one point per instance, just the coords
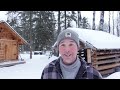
(115, 75)
(32, 69)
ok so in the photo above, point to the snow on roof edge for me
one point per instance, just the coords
(111, 42)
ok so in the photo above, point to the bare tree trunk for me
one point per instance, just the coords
(109, 21)
(79, 19)
(59, 28)
(30, 36)
(101, 21)
(65, 19)
(118, 23)
(113, 22)
(93, 26)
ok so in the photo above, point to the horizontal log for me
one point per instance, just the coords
(109, 71)
(108, 66)
(107, 53)
(106, 57)
(106, 61)
(107, 50)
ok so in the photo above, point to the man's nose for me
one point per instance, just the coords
(67, 49)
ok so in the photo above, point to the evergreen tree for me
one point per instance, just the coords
(45, 27)
(37, 27)
(85, 23)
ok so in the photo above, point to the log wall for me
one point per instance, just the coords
(106, 61)
(8, 50)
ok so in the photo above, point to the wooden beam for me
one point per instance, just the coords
(108, 66)
(107, 53)
(94, 59)
(89, 55)
(109, 71)
(107, 56)
(107, 61)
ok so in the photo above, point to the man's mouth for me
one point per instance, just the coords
(67, 55)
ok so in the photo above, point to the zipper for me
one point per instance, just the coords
(60, 74)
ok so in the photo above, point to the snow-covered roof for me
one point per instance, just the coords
(98, 39)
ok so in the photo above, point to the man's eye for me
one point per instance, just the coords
(71, 45)
(63, 45)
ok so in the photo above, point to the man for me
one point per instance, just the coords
(68, 65)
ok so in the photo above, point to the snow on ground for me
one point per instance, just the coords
(115, 75)
(32, 69)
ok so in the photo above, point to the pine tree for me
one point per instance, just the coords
(67, 17)
(69, 24)
(45, 27)
(37, 27)
(85, 23)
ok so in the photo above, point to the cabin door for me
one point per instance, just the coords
(15, 50)
(2, 51)
(11, 50)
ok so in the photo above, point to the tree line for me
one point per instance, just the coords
(41, 28)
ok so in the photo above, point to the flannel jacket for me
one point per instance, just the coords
(53, 71)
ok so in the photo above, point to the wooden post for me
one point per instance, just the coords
(88, 56)
(94, 60)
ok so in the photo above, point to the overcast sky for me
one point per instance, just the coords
(88, 14)
(3, 16)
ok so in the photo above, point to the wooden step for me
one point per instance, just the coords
(11, 63)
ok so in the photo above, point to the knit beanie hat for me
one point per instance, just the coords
(67, 33)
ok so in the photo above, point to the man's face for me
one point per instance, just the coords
(68, 50)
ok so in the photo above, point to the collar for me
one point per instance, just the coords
(81, 71)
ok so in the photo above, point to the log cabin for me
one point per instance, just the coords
(10, 42)
(100, 49)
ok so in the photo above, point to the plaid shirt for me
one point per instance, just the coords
(53, 71)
